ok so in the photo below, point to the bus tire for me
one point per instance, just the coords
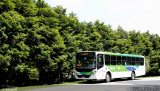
(133, 76)
(107, 78)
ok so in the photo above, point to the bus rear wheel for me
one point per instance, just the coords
(133, 76)
(108, 78)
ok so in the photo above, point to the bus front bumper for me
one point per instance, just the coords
(92, 76)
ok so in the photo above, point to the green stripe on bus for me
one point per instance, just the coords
(117, 68)
(86, 73)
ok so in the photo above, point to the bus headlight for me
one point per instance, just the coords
(78, 73)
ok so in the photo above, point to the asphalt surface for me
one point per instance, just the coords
(143, 84)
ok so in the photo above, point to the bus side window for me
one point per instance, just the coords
(113, 60)
(133, 61)
(119, 60)
(141, 61)
(129, 62)
(123, 60)
(107, 59)
(137, 60)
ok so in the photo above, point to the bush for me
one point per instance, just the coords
(147, 65)
(154, 65)
(25, 74)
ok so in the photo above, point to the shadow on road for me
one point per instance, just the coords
(122, 79)
(102, 81)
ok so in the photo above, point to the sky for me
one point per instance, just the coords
(139, 15)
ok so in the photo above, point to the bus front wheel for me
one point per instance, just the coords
(108, 78)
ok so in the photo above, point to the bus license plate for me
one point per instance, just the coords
(83, 77)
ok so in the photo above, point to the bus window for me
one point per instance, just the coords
(123, 57)
(100, 61)
(118, 60)
(123, 60)
(133, 61)
(137, 61)
(107, 59)
(141, 61)
(113, 60)
(129, 61)
(85, 60)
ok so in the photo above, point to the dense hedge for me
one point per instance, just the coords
(154, 66)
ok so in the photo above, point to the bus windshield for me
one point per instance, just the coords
(86, 60)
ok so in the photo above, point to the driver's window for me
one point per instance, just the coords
(100, 61)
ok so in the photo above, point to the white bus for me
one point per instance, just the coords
(94, 65)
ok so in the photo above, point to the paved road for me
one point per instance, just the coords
(145, 84)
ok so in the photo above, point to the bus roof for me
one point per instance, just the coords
(117, 54)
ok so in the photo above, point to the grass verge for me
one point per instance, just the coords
(39, 86)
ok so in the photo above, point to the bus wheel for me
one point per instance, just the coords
(133, 76)
(108, 78)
